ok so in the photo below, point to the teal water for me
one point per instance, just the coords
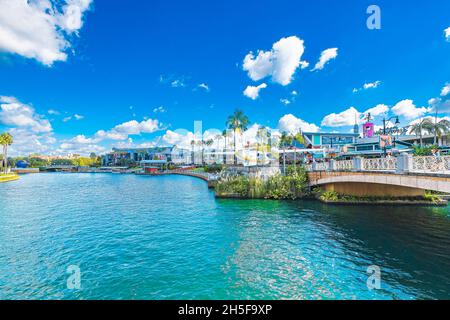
(169, 238)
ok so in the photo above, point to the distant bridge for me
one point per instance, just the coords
(404, 176)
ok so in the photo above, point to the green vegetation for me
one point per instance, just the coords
(237, 121)
(215, 168)
(6, 139)
(332, 196)
(294, 185)
(424, 151)
(438, 129)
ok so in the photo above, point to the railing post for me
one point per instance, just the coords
(331, 165)
(404, 163)
(313, 166)
(357, 164)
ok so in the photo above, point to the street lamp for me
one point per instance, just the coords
(397, 122)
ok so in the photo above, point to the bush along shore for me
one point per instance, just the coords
(331, 197)
(294, 185)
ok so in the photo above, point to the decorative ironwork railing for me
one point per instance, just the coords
(343, 165)
(379, 164)
(431, 164)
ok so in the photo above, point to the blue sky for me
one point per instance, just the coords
(70, 84)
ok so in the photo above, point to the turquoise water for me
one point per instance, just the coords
(169, 238)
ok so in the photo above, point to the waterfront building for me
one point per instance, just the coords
(133, 157)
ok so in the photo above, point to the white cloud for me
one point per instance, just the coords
(253, 92)
(369, 85)
(439, 104)
(134, 127)
(53, 112)
(178, 83)
(40, 29)
(447, 34)
(180, 138)
(285, 101)
(445, 90)
(326, 56)
(280, 62)
(343, 119)
(159, 109)
(377, 110)
(407, 109)
(292, 124)
(78, 117)
(13, 113)
(27, 142)
(294, 93)
(204, 86)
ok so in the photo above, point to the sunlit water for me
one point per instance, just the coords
(168, 238)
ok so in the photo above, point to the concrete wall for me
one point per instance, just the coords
(370, 183)
(373, 190)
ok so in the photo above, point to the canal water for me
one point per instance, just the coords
(134, 237)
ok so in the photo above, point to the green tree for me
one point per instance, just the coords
(6, 139)
(285, 141)
(424, 124)
(439, 129)
(237, 121)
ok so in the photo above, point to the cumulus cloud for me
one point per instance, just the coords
(280, 63)
(377, 110)
(445, 90)
(369, 85)
(407, 109)
(326, 56)
(292, 124)
(447, 34)
(439, 104)
(14, 113)
(40, 29)
(253, 92)
(343, 119)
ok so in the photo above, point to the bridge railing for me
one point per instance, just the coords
(405, 163)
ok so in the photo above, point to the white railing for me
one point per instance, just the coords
(343, 165)
(379, 164)
(405, 163)
(431, 164)
(322, 166)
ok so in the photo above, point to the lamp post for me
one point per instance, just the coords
(397, 122)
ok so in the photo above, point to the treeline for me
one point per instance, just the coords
(36, 162)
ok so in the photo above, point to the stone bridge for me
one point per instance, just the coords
(404, 176)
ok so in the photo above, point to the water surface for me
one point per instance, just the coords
(168, 238)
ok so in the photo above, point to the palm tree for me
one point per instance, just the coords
(218, 137)
(419, 127)
(225, 134)
(209, 142)
(301, 140)
(439, 129)
(285, 140)
(6, 139)
(237, 121)
(193, 155)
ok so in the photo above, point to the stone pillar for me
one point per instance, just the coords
(404, 163)
(331, 165)
(314, 166)
(357, 164)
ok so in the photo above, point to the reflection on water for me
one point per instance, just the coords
(168, 238)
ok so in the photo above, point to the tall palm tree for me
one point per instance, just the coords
(209, 142)
(6, 139)
(301, 140)
(439, 129)
(237, 121)
(285, 140)
(193, 152)
(422, 125)
(225, 134)
(218, 138)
